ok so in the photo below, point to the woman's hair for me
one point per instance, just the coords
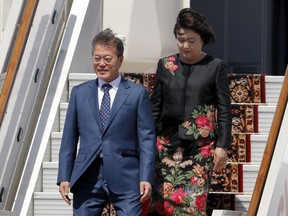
(192, 20)
(107, 37)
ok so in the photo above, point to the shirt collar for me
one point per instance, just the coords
(115, 83)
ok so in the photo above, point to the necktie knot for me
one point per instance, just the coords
(106, 87)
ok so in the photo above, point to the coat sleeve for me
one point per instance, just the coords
(68, 148)
(146, 139)
(157, 96)
(223, 100)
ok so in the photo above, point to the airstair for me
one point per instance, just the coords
(56, 56)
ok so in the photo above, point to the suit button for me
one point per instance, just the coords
(100, 155)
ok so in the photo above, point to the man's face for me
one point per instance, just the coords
(106, 63)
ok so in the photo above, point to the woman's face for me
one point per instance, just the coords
(189, 44)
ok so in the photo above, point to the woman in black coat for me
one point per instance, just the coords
(192, 113)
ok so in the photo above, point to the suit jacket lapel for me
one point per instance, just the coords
(121, 96)
(93, 101)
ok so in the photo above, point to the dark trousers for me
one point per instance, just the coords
(92, 192)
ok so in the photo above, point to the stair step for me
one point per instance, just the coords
(78, 78)
(273, 85)
(55, 145)
(257, 147)
(50, 171)
(242, 202)
(217, 212)
(63, 110)
(47, 204)
(44, 200)
(265, 118)
(250, 172)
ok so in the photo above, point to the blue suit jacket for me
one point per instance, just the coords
(127, 144)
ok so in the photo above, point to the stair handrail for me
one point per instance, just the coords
(20, 41)
(269, 149)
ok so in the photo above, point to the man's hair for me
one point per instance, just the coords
(107, 37)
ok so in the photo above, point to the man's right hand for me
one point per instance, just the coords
(64, 191)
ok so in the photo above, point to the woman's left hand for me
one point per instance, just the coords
(220, 158)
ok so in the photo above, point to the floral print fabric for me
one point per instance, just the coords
(201, 125)
(183, 176)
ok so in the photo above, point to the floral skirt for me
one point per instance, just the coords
(183, 174)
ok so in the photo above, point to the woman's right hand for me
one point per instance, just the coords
(220, 158)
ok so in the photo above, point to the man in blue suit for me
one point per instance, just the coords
(115, 159)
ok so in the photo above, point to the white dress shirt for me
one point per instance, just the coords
(112, 91)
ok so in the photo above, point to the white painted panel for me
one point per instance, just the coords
(50, 171)
(148, 28)
(258, 145)
(217, 212)
(55, 145)
(63, 112)
(78, 78)
(265, 118)
(273, 85)
(274, 79)
(250, 172)
(47, 204)
(242, 202)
